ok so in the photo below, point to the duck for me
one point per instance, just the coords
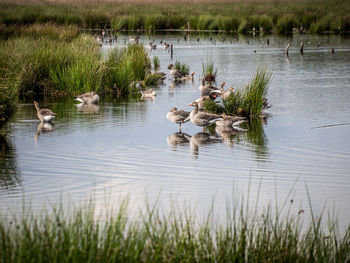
(203, 98)
(201, 118)
(148, 93)
(87, 98)
(205, 89)
(44, 115)
(174, 73)
(178, 116)
(188, 77)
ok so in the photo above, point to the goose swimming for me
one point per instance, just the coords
(89, 97)
(44, 115)
(202, 119)
(178, 116)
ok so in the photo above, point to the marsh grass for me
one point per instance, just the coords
(86, 234)
(156, 62)
(126, 66)
(183, 68)
(209, 72)
(247, 101)
(227, 15)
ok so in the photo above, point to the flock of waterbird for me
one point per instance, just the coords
(198, 116)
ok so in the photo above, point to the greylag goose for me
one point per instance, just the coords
(203, 98)
(229, 121)
(148, 93)
(44, 115)
(205, 89)
(188, 77)
(89, 97)
(226, 94)
(178, 116)
(202, 119)
(174, 73)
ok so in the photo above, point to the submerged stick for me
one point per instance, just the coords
(331, 125)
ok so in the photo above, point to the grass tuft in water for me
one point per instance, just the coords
(247, 101)
(209, 72)
(156, 62)
(182, 68)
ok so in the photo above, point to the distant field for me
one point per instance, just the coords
(151, 15)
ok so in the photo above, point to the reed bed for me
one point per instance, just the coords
(247, 101)
(62, 234)
(57, 60)
(230, 15)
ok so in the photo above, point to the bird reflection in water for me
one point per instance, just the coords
(202, 138)
(177, 139)
(88, 108)
(228, 133)
(43, 127)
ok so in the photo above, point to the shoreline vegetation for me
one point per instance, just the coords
(277, 16)
(64, 233)
(60, 61)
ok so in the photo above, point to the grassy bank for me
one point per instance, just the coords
(226, 15)
(247, 101)
(80, 235)
(57, 60)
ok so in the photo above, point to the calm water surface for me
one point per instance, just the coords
(129, 147)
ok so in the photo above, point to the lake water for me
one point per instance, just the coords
(128, 147)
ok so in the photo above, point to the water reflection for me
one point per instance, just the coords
(202, 138)
(178, 138)
(88, 108)
(229, 133)
(43, 127)
(255, 135)
(9, 176)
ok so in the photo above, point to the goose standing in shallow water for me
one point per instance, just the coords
(202, 119)
(174, 73)
(178, 116)
(44, 115)
(89, 97)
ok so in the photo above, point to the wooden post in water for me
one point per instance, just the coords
(333, 50)
(268, 41)
(171, 51)
(302, 48)
(287, 48)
